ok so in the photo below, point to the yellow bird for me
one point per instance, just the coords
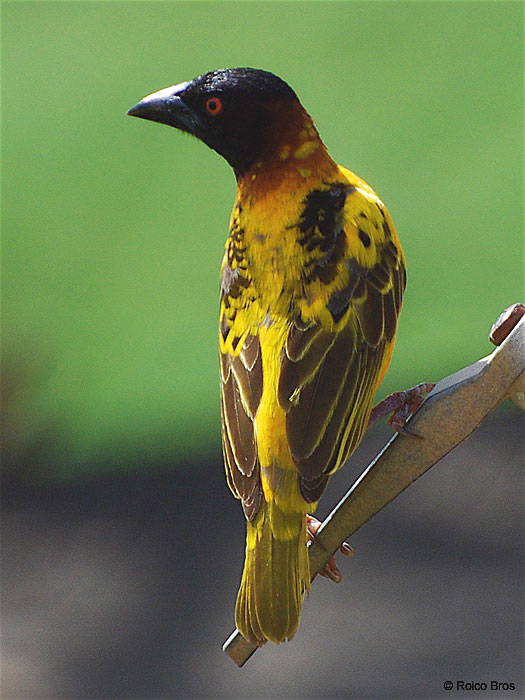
(311, 287)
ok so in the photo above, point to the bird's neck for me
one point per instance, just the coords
(294, 160)
(265, 228)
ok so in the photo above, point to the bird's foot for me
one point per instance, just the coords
(330, 569)
(401, 405)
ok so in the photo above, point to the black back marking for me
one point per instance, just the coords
(321, 224)
(364, 238)
(339, 301)
(323, 210)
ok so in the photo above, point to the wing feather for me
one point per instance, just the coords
(247, 369)
(295, 372)
(390, 315)
(309, 417)
(241, 390)
(327, 448)
(299, 339)
(239, 427)
(370, 313)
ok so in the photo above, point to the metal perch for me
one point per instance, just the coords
(454, 409)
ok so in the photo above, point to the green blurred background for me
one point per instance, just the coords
(114, 228)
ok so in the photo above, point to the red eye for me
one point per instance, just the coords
(213, 105)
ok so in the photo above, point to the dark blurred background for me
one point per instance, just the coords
(122, 547)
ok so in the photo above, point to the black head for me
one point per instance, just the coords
(234, 111)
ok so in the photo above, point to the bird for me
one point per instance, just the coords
(311, 287)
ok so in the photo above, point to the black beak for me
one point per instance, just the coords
(167, 107)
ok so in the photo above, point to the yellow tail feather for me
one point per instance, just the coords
(276, 576)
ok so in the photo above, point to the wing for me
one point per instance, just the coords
(241, 389)
(241, 385)
(330, 371)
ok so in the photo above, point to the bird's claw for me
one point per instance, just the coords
(330, 569)
(401, 405)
